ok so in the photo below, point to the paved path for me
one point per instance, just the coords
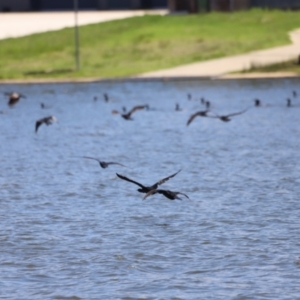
(221, 66)
(21, 24)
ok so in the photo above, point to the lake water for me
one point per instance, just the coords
(72, 230)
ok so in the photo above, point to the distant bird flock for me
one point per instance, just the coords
(14, 98)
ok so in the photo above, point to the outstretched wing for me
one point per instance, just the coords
(168, 194)
(237, 113)
(139, 107)
(88, 157)
(183, 194)
(166, 178)
(38, 123)
(193, 116)
(130, 180)
(115, 163)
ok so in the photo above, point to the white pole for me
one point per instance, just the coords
(76, 35)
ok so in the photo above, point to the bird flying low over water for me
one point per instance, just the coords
(207, 104)
(202, 113)
(47, 120)
(146, 189)
(44, 106)
(106, 98)
(227, 118)
(103, 164)
(257, 102)
(127, 116)
(177, 107)
(168, 194)
(294, 93)
(14, 97)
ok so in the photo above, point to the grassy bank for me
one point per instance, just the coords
(141, 44)
(288, 66)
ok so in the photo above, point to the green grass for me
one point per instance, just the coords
(141, 44)
(289, 66)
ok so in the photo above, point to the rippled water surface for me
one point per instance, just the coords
(72, 230)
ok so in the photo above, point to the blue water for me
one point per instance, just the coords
(71, 230)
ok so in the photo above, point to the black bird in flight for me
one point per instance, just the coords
(146, 189)
(127, 116)
(168, 194)
(103, 164)
(227, 118)
(202, 113)
(47, 120)
(14, 97)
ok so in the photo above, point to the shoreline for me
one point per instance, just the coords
(237, 76)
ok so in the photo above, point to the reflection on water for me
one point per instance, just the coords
(72, 230)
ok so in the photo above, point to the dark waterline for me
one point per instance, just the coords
(72, 230)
